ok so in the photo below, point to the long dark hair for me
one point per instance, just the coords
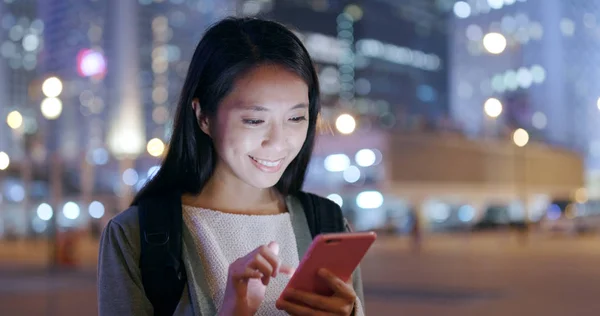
(227, 50)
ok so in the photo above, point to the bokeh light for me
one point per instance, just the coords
(71, 210)
(44, 211)
(492, 107)
(345, 124)
(4, 160)
(336, 198)
(14, 119)
(494, 43)
(520, 137)
(52, 87)
(51, 108)
(155, 147)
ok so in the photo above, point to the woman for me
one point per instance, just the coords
(242, 139)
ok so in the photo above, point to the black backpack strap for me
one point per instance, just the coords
(163, 272)
(322, 214)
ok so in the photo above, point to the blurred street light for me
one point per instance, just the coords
(45, 212)
(345, 124)
(581, 195)
(494, 43)
(462, 9)
(492, 107)
(52, 87)
(155, 147)
(354, 11)
(521, 137)
(14, 119)
(4, 160)
(51, 108)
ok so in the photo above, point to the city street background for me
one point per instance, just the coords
(471, 125)
(464, 275)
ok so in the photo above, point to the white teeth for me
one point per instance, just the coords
(267, 163)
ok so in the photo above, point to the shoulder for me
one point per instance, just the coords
(322, 214)
(322, 202)
(124, 229)
(127, 220)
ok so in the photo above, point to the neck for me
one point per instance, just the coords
(231, 195)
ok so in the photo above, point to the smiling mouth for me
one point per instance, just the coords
(267, 163)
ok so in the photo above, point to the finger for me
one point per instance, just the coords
(332, 304)
(248, 273)
(271, 257)
(274, 247)
(261, 264)
(341, 288)
(287, 269)
(297, 309)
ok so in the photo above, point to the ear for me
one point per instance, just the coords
(202, 119)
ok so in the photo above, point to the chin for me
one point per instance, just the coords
(263, 183)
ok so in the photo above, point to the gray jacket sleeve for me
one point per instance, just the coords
(120, 289)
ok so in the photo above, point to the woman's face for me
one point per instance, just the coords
(260, 126)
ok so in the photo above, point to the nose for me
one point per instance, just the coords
(275, 138)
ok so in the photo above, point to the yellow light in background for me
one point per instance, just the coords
(155, 147)
(521, 137)
(4, 160)
(51, 108)
(354, 11)
(345, 124)
(492, 107)
(581, 195)
(494, 43)
(598, 103)
(52, 87)
(14, 119)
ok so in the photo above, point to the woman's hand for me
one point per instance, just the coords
(299, 303)
(248, 278)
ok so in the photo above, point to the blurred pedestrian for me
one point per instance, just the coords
(415, 231)
(241, 142)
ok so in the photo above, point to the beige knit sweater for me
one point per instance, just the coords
(221, 238)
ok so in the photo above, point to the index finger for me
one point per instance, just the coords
(271, 257)
(340, 287)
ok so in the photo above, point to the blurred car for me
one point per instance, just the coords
(569, 217)
(494, 217)
(448, 216)
(500, 216)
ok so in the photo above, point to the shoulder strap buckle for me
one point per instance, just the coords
(156, 239)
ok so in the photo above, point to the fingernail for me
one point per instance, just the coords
(274, 246)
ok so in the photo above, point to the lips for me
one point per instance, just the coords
(267, 163)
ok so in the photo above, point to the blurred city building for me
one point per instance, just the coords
(537, 58)
(438, 110)
(385, 62)
(88, 90)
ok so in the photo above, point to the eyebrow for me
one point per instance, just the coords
(259, 108)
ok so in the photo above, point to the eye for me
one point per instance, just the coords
(252, 122)
(298, 118)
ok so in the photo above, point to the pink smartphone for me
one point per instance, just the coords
(339, 253)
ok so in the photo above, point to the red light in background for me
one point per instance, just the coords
(90, 63)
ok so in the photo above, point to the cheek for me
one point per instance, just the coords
(239, 142)
(297, 138)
